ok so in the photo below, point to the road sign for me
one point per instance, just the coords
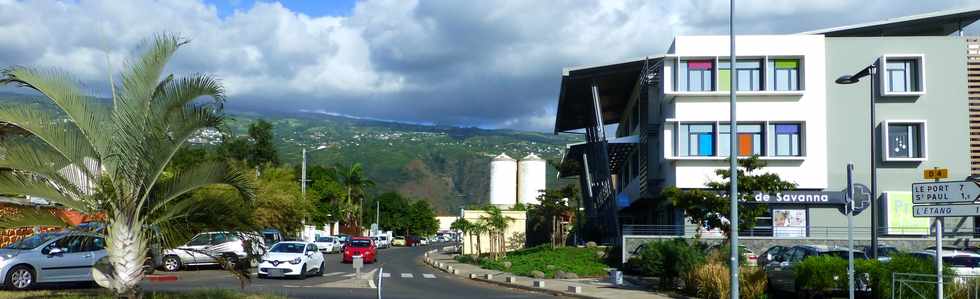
(945, 192)
(935, 173)
(946, 210)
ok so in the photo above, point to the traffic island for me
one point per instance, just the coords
(575, 288)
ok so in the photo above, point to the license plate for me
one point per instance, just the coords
(275, 273)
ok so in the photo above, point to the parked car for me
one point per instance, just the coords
(202, 249)
(327, 244)
(398, 241)
(271, 236)
(750, 257)
(290, 258)
(423, 241)
(381, 241)
(770, 254)
(961, 262)
(360, 246)
(412, 241)
(50, 257)
(781, 276)
(885, 252)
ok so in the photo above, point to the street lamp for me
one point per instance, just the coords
(871, 70)
(303, 178)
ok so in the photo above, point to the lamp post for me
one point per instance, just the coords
(302, 179)
(870, 70)
(733, 154)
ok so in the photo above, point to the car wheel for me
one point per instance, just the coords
(20, 278)
(322, 264)
(148, 267)
(302, 272)
(171, 263)
(231, 262)
(263, 276)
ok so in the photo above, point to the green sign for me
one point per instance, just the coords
(899, 217)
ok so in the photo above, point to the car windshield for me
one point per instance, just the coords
(288, 248)
(360, 243)
(324, 239)
(843, 254)
(31, 242)
(963, 261)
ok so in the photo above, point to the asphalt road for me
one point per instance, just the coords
(405, 277)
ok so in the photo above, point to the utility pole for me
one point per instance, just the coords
(849, 208)
(733, 155)
(302, 179)
(377, 214)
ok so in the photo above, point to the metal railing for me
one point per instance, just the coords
(923, 286)
(789, 232)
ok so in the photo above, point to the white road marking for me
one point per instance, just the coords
(350, 275)
(427, 275)
(385, 275)
(333, 274)
(407, 275)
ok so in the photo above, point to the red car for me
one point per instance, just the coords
(360, 246)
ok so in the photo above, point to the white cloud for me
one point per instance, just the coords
(487, 63)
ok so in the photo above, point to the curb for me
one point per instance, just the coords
(160, 278)
(432, 263)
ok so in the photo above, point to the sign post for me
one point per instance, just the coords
(850, 230)
(943, 199)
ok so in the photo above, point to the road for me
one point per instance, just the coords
(406, 277)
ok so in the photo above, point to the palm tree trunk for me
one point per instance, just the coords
(126, 250)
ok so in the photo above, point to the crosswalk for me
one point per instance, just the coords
(407, 275)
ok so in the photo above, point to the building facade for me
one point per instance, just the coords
(672, 112)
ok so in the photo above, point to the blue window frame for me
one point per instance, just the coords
(696, 140)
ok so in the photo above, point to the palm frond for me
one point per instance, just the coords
(143, 75)
(31, 217)
(83, 112)
(29, 184)
(199, 176)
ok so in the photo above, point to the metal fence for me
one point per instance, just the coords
(923, 286)
(789, 232)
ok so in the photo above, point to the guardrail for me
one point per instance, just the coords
(923, 286)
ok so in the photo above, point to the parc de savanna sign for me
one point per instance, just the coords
(801, 197)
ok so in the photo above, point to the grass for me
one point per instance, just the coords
(102, 294)
(585, 262)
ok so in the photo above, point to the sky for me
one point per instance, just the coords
(491, 64)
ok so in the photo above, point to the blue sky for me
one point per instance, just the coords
(313, 8)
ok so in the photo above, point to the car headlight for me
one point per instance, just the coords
(296, 261)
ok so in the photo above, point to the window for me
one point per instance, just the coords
(785, 139)
(749, 75)
(749, 139)
(904, 140)
(200, 240)
(783, 74)
(902, 75)
(696, 139)
(695, 75)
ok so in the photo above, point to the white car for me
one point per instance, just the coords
(50, 257)
(291, 258)
(327, 244)
(961, 262)
(202, 249)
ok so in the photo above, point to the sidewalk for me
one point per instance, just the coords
(586, 287)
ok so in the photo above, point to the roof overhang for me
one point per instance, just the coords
(939, 23)
(618, 149)
(615, 81)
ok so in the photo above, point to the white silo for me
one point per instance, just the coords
(503, 180)
(531, 179)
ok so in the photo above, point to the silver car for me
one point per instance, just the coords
(202, 249)
(50, 257)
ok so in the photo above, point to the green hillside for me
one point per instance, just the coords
(448, 166)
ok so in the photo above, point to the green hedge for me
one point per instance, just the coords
(668, 259)
(585, 262)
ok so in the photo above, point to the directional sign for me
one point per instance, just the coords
(946, 211)
(945, 192)
(935, 173)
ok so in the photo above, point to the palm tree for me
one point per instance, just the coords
(111, 157)
(461, 225)
(497, 224)
(354, 180)
(478, 229)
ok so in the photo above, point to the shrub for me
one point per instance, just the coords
(710, 281)
(668, 259)
(821, 274)
(881, 275)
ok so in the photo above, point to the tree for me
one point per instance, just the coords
(264, 151)
(355, 183)
(423, 218)
(496, 225)
(545, 218)
(278, 202)
(93, 156)
(463, 226)
(707, 208)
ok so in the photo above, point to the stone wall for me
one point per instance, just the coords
(8, 236)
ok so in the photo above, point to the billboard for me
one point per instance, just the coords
(789, 223)
(898, 215)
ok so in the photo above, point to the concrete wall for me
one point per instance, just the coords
(944, 107)
(515, 234)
